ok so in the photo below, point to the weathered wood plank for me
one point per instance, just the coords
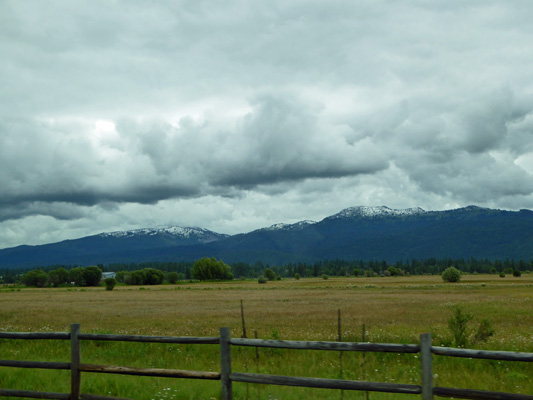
(338, 346)
(160, 372)
(426, 366)
(478, 394)
(225, 364)
(35, 335)
(75, 357)
(34, 364)
(325, 383)
(34, 395)
(150, 339)
(483, 354)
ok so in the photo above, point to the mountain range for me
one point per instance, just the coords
(355, 233)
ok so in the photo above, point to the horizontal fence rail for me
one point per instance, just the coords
(325, 383)
(227, 377)
(35, 335)
(35, 364)
(477, 394)
(481, 354)
(163, 373)
(34, 395)
(150, 339)
(337, 346)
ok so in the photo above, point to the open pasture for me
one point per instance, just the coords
(393, 310)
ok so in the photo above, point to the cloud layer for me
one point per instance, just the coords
(233, 116)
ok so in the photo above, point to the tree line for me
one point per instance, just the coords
(79, 276)
(211, 269)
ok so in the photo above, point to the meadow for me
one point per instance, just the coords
(391, 309)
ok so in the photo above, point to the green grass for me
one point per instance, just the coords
(393, 310)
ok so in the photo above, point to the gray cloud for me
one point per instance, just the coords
(145, 162)
(127, 113)
(280, 140)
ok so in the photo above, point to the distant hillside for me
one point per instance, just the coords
(106, 247)
(356, 233)
(379, 233)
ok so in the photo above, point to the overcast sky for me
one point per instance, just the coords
(235, 115)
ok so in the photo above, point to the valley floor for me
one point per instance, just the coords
(392, 310)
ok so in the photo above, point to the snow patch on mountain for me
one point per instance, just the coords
(282, 226)
(183, 232)
(373, 212)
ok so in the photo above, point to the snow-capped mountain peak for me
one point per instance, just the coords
(178, 231)
(282, 226)
(372, 212)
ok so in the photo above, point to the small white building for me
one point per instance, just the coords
(106, 275)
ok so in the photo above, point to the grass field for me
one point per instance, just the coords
(393, 310)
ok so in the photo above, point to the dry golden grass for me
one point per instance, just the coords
(393, 309)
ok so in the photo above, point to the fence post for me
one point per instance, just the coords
(75, 353)
(225, 363)
(427, 367)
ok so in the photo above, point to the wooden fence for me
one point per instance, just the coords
(426, 389)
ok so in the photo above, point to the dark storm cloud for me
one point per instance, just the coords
(47, 162)
(148, 194)
(21, 209)
(63, 205)
(144, 162)
(280, 140)
(468, 152)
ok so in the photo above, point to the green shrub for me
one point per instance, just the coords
(297, 276)
(262, 279)
(75, 275)
(91, 275)
(324, 276)
(58, 277)
(502, 274)
(121, 276)
(517, 273)
(36, 278)
(135, 278)
(395, 271)
(211, 269)
(483, 332)
(458, 325)
(451, 274)
(172, 277)
(269, 274)
(462, 335)
(153, 276)
(110, 283)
